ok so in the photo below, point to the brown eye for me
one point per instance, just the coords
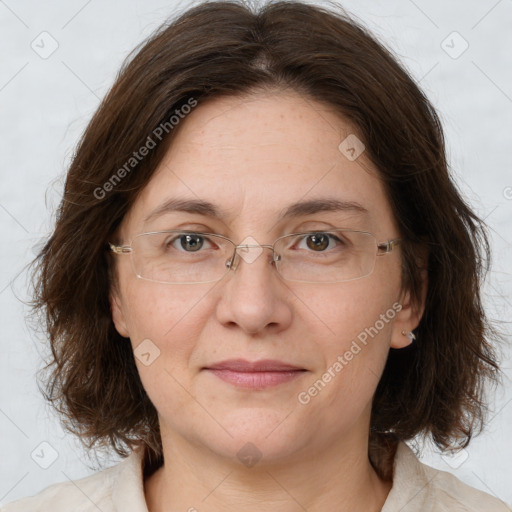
(318, 241)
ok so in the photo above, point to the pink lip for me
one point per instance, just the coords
(255, 375)
(241, 365)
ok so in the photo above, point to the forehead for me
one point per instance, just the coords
(253, 156)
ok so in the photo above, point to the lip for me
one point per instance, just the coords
(256, 374)
(265, 365)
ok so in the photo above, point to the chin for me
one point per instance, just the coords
(258, 436)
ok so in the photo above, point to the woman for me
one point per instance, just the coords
(262, 279)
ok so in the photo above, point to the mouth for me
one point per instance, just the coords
(255, 375)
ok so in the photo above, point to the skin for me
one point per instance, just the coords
(253, 156)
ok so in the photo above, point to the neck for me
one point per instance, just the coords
(195, 479)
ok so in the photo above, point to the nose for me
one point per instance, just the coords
(254, 298)
(249, 253)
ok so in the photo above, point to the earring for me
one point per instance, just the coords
(411, 335)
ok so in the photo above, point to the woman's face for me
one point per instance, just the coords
(252, 158)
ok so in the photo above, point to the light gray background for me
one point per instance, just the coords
(46, 103)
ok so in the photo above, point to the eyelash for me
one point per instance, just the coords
(171, 241)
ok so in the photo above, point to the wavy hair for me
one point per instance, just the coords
(225, 48)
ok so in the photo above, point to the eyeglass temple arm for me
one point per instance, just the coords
(388, 246)
(119, 249)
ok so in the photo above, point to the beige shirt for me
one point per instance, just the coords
(416, 488)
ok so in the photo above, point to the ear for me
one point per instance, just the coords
(118, 316)
(409, 316)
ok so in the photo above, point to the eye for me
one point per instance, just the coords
(187, 242)
(320, 241)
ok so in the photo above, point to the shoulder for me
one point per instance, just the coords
(79, 494)
(419, 487)
(105, 490)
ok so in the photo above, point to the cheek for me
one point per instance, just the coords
(349, 310)
(353, 336)
(162, 323)
(165, 319)
(154, 309)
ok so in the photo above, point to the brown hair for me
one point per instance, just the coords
(435, 386)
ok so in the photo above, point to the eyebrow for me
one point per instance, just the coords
(297, 209)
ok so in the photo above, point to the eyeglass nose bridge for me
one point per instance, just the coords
(232, 263)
